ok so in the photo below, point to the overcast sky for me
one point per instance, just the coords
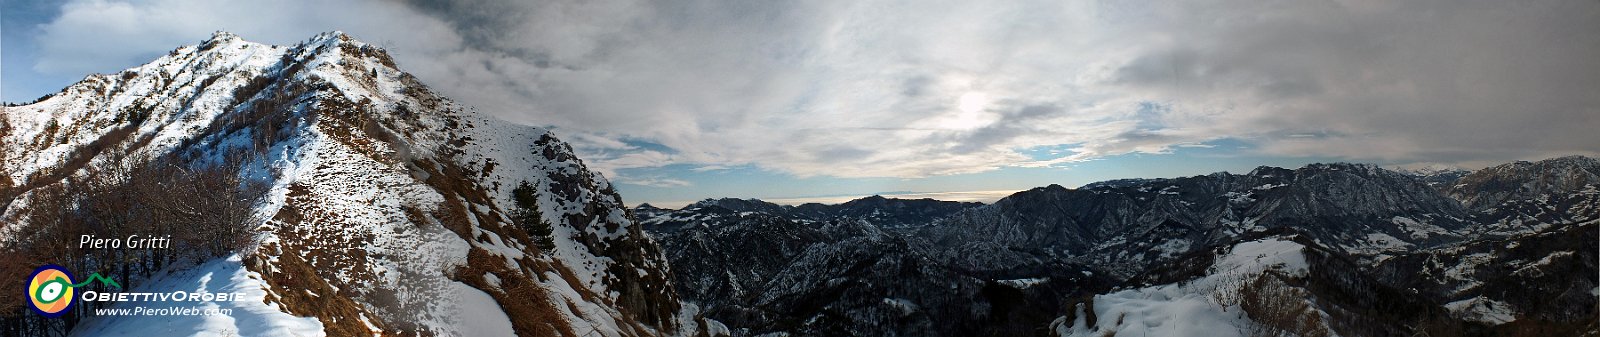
(682, 100)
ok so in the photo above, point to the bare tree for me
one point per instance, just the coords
(209, 206)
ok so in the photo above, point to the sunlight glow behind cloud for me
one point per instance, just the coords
(916, 89)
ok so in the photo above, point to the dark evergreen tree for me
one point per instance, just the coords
(528, 217)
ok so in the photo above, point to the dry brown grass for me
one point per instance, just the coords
(348, 123)
(291, 278)
(532, 311)
(326, 250)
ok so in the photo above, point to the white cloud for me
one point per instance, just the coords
(875, 88)
(654, 182)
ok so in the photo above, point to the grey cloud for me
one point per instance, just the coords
(1423, 81)
(841, 153)
(481, 23)
(875, 88)
(915, 86)
(1011, 124)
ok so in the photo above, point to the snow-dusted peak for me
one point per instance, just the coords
(1433, 169)
(332, 39)
(221, 37)
(329, 37)
(372, 177)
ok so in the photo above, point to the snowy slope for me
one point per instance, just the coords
(227, 275)
(394, 202)
(1210, 303)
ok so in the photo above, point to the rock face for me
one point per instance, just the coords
(1490, 245)
(1530, 197)
(388, 207)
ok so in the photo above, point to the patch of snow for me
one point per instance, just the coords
(688, 323)
(376, 332)
(1023, 283)
(1271, 253)
(491, 279)
(1463, 272)
(1418, 229)
(905, 306)
(1385, 242)
(480, 315)
(1550, 258)
(1484, 310)
(1264, 187)
(1168, 190)
(1173, 247)
(1547, 260)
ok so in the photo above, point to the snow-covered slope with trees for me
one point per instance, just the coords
(386, 208)
(1325, 249)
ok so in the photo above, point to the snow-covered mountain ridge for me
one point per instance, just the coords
(390, 210)
(1383, 253)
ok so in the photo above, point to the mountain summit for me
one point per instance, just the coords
(387, 209)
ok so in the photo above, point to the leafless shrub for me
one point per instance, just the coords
(209, 206)
(1226, 292)
(1279, 310)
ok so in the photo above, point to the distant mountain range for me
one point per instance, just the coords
(1326, 249)
(384, 208)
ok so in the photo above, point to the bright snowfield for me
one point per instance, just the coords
(1189, 308)
(1483, 310)
(250, 316)
(480, 315)
(351, 194)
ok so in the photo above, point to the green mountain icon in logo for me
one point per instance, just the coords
(60, 284)
(96, 277)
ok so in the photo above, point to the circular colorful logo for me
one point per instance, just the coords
(50, 290)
